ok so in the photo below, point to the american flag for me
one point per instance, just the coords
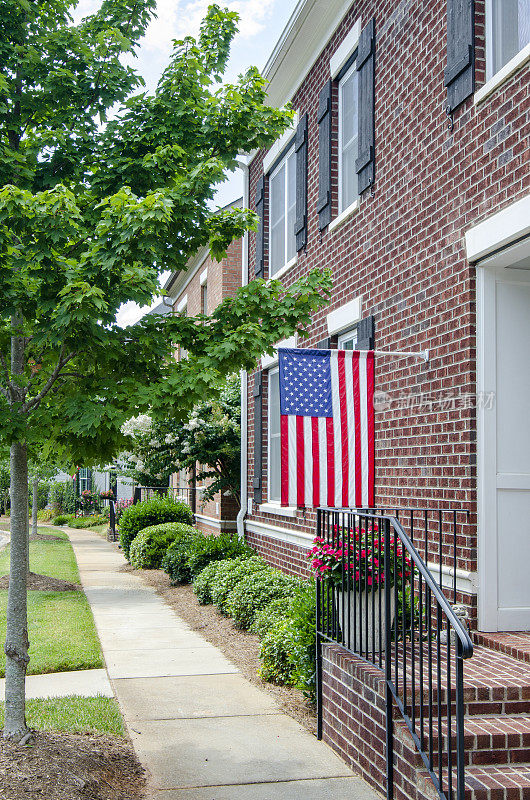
(327, 428)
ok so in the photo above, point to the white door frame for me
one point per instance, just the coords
(487, 276)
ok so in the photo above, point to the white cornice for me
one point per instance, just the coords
(177, 283)
(309, 29)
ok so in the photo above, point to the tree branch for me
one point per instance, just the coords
(35, 401)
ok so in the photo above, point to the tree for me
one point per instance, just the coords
(210, 437)
(91, 212)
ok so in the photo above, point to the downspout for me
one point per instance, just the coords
(244, 376)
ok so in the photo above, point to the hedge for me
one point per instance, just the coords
(151, 512)
(150, 546)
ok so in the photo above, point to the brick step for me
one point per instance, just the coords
(487, 741)
(516, 644)
(487, 783)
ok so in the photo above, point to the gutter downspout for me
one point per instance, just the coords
(244, 376)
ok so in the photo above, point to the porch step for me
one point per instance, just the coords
(487, 783)
(515, 644)
(487, 740)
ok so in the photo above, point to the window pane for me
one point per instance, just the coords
(349, 123)
(274, 436)
(510, 26)
(277, 221)
(348, 340)
(274, 403)
(291, 206)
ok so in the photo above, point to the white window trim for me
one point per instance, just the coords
(267, 362)
(346, 336)
(503, 75)
(279, 145)
(350, 209)
(344, 216)
(204, 276)
(345, 50)
(182, 304)
(274, 507)
(272, 371)
(287, 266)
(345, 317)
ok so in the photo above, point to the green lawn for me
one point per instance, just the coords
(54, 558)
(61, 632)
(74, 714)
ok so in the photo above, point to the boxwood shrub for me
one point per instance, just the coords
(216, 548)
(229, 574)
(151, 512)
(150, 546)
(61, 519)
(175, 561)
(203, 582)
(256, 591)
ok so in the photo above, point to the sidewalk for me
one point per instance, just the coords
(201, 729)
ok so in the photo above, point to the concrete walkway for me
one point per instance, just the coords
(83, 682)
(201, 729)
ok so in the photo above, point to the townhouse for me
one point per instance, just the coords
(407, 172)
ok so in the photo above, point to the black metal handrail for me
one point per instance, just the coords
(383, 604)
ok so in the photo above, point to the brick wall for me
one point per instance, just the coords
(223, 280)
(404, 252)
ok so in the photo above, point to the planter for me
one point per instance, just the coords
(360, 610)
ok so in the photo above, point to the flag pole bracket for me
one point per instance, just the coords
(422, 354)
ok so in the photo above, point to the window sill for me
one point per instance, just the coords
(343, 216)
(282, 511)
(286, 267)
(504, 74)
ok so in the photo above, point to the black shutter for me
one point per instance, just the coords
(258, 436)
(365, 164)
(260, 235)
(459, 76)
(324, 156)
(365, 334)
(300, 225)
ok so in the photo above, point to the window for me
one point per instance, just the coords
(204, 298)
(348, 137)
(273, 450)
(508, 27)
(85, 476)
(348, 340)
(282, 205)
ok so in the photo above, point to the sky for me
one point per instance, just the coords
(261, 24)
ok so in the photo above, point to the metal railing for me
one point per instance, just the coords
(184, 494)
(377, 598)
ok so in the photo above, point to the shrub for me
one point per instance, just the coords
(60, 519)
(88, 522)
(175, 561)
(256, 591)
(203, 582)
(287, 631)
(229, 575)
(151, 512)
(216, 548)
(151, 545)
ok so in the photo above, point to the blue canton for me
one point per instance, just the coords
(305, 382)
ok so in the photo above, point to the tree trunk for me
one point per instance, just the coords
(35, 507)
(17, 643)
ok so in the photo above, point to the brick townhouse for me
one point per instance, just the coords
(407, 172)
(199, 290)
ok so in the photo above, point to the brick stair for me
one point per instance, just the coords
(496, 729)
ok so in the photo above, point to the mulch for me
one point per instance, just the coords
(241, 647)
(45, 537)
(68, 766)
(43, 583)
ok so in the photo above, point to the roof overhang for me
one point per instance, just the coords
(309, 29)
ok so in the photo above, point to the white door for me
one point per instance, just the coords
(504, 443)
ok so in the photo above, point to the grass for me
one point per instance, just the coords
(54, 558)
(61, 633)
(73, 714)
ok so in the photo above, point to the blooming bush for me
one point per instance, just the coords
(358, 557)
(120, 507)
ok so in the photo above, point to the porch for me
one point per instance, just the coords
(453, 718)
